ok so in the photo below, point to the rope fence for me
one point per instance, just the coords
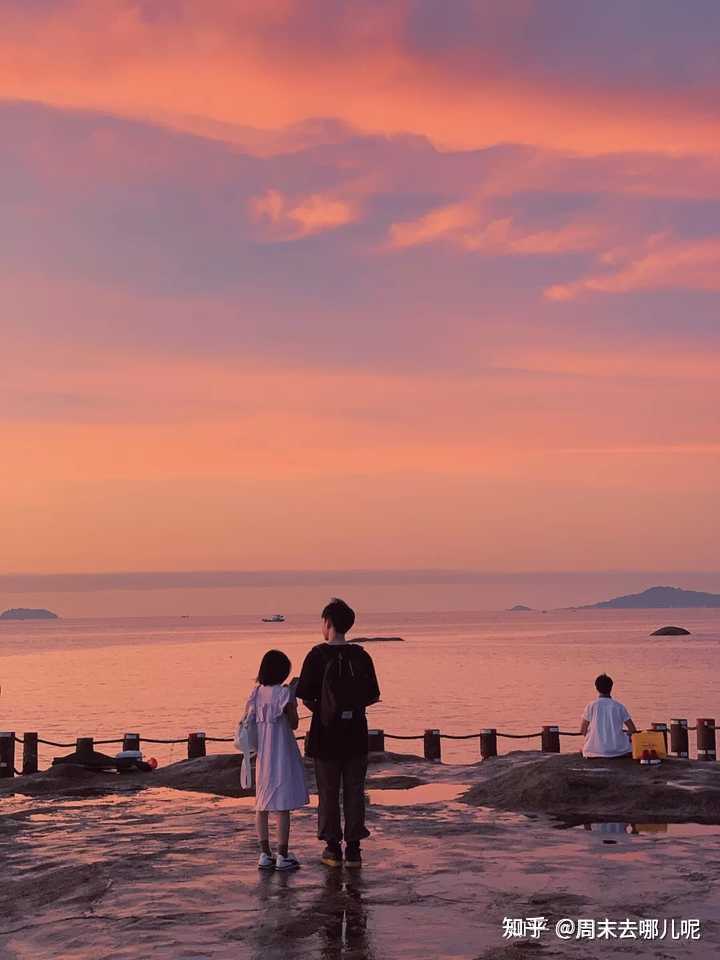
(518, 736)
(399, 736)
(675, 734)
(148, 740)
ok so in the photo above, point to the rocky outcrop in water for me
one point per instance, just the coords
(378, 640)
(23, 613)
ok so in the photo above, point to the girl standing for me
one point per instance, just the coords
(279, 772)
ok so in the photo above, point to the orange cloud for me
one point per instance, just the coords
(233, 64)
(467, 226)
(448, 221)
(304, 216)
(468, 423)
(663, 264)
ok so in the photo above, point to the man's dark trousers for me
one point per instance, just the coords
(348, 773)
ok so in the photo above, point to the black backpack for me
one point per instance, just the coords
(345, 685)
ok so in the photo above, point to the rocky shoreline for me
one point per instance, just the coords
(164, 864)
(566, 786)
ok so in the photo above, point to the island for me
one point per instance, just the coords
(378, 640)
(520, 608)
(23, 613)
(670, 632)
(658, 598)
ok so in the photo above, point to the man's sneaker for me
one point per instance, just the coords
(266, 862)
(332, 855)
(353, 856)
(290, 862)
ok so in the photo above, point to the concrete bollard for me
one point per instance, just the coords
(550, 739)
(488, 743)
(196, 745)
(432, 745)
(376, 741)
(131, 741)
(30, 753)
(7, 755)
(679, 738)
(706, 739)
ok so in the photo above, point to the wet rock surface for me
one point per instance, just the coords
(569, 786)
(561, 785)
(149, 871)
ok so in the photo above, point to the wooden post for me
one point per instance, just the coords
(488, 743)
(663, 729)
(376, 741)
(196, 745)
(706, 739)
(679, 738)
(30, 753)
(550, 739)
(432, 745)
(7, 755)
(131, 741)
(84, 747)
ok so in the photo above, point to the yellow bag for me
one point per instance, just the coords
(648, 740)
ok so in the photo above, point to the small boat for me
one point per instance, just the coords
(275, 618)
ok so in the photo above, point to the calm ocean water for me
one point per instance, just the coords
(459, 672)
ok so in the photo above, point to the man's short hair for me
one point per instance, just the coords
(340, 615)
(604, 684)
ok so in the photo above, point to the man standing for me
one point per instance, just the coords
(337, 683)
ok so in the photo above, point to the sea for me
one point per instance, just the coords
(457, 672)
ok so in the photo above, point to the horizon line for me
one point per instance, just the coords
(84, 582)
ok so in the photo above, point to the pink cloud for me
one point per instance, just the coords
(244, 64)
(468, 226)
(448, 221)
(301, 216)
(664, 263)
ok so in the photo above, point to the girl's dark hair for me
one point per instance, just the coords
(274, 668)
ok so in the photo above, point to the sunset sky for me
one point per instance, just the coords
(298, 284)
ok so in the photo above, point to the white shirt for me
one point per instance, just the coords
(605, 736)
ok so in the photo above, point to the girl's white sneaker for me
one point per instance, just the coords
(266, 862)
(290, 862)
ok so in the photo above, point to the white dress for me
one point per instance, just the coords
(279, 771)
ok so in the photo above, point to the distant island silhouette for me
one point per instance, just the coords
(378, 639)
(520, 608)
(657, 598)
(23, 613)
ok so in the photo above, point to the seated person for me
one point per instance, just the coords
(602, 724)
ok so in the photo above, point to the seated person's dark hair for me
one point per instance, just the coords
(604, 684)
(340, 615)
(274, 668)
